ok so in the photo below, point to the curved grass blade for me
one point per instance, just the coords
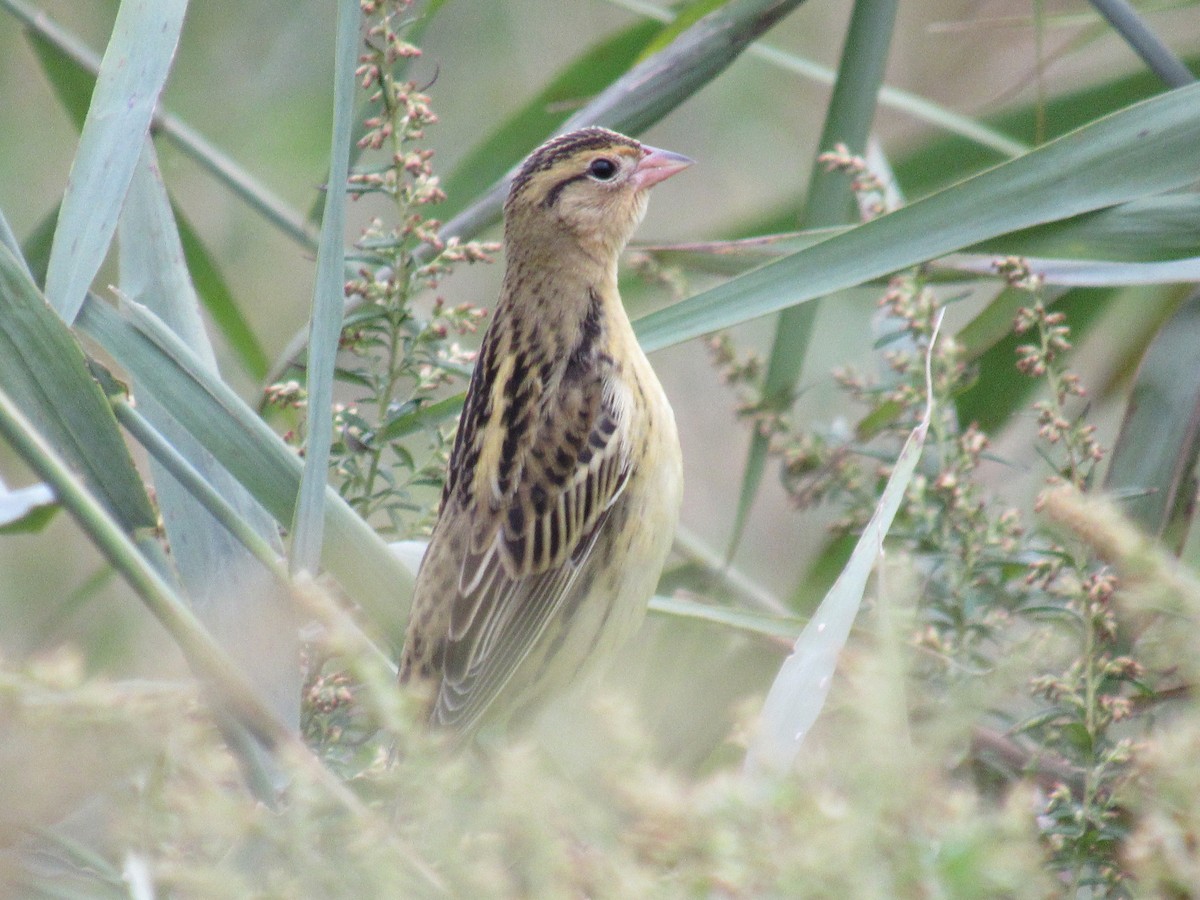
(131, 78)
(799, 691)
(251, 452)
(1151, 147)
(1154, 457)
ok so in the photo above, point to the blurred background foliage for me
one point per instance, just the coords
(960, 812)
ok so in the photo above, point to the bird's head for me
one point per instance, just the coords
(589, 186)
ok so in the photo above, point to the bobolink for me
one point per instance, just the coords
(565, 478)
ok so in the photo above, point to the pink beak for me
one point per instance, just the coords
(658, 165)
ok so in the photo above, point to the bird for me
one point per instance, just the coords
(565, 478)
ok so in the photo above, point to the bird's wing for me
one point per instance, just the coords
(538, 470)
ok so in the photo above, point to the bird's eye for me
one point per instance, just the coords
(602, 169)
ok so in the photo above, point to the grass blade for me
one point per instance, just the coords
(325, 325)
(251, 452)
(1154, 457)
(830, 202)
(1151, 147)
(799, 691)
(66, 51)
(131, 78)
(239, 601)
(43, 370)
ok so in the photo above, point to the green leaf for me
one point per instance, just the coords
(830, 203)
(325, 324)
(1148, 148)
(214, 293)
(251, 452)
(44, 371)
(26, 509)
(131, 78)
(243, 605)
(1155, 453)
(798, 693)
(1147, 229)
(950, 158)
(427, 415)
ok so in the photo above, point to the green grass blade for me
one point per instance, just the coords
(325, 324)
(206, 658)
(799, 691)
(214, 293)
(1154, 457)
(492, 158)
(242, 604)
(1148, 229)
(44, 370)
(251, 452)
(906, 102)
(131, 78)
(830, 202)
(71, 67)
(1149, 148)
(652, 88)
(26, 509)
